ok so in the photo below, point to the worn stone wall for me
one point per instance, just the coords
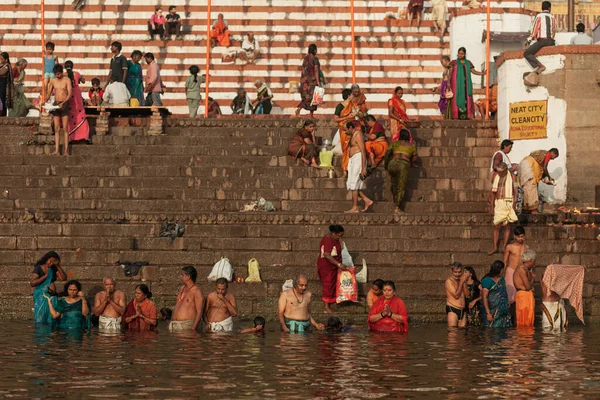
(571, 87)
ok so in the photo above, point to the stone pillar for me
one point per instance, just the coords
(102, 122)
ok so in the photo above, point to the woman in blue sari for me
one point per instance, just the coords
(495, 298)
(47, 270)
(135, 79)
(71, 313)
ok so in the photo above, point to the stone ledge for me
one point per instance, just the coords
(552, 50)
(495, 10)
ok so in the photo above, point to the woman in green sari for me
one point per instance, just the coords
(135, 79)
(461, 85)
(400, 156)
(71, 313)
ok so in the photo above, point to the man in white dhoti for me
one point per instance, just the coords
(109, 306)
(221, 307)
(357, 166)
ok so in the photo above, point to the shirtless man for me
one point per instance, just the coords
(109, 306)
(220, 308)
(523, 279)
(512, 259)
(455, 296)
(62, 87)
(554, 313)
(357, 166)
(294, 308)
(187, 313)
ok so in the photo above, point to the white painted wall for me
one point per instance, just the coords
(512, 90)
(467, 30)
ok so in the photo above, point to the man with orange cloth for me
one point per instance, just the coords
(523, 280)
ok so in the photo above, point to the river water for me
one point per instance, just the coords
(429, 362)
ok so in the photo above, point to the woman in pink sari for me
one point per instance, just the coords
(79, 129)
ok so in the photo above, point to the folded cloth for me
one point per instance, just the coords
(109, 324)
(567, 282)
(132, 268)
(554, 315)
(354, 170)
(181, 326)
(297, 326)
(224, 326)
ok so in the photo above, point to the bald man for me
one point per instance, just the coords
(294, 308)
(109, 306)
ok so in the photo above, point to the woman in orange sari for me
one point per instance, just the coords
(140, 314)
(376, 144)
(397, 113)
(388, 314)
(220, 33)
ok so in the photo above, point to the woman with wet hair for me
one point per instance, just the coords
(388, 314)
(72, 311)
(495, 298)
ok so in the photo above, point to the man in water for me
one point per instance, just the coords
(62, 88)
(220, 308)
(455, 296)
(512, 259)
(294, 308)
(523, 279)
(357, 167)
(109, 306)
(187, 313)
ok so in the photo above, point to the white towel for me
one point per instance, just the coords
(224, 326)
(354, 170)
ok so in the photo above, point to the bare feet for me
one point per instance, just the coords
(297, 112)
(353, 210)
(314, 164)
(367, 205)
(56, 153)
(398, 211)
(492, 252)
(541, 69)
(327, 309)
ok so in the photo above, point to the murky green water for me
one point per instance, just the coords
(429, 362)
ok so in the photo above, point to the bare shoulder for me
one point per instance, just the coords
(99, 295)
(230, 296)
(308, 294)
(120, 293)
(196, 291)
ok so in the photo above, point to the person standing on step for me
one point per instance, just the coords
(502, 203)
(263, 103)
(460, 83)
(501, 157)
(311, 72)
(173, 24)
(512, 259)
(376, 144)
(135, 78)
(109, 306)
(192, 90)
(21, 104)
(439, 12)
(6, 84)
(118, 64)
(294, 308)
(532, 170)
(443, 90)
(328, 264)
(543, 31)
(401, 155)
(62, 87)
(357, 167)
(50, 60)
(397, 113)
(154, 84)
(524, 278)
(187, 313)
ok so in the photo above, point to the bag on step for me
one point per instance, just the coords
(347, 260)
(326, 159)
(361, 277)
(253, 271)
(318, 95)
(346, 286)
(222, 269)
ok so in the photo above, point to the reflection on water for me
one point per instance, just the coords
(430, 362)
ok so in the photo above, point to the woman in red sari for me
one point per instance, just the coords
(311, 77)
(388, 313)
(302, 145)
(140, 314)
(397, 113)
(79, 129)
(328, 263)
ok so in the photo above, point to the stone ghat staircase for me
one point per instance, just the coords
(388, 53)
(105, 204)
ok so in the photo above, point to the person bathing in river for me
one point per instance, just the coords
(46, 271)
(389, 312)
(187, 313)
(512, 259)
(523, 279)
(220, 308)
(455, 296)
(109, 306)
(259, 326)
(294, 308)
(141, 315)
(375, 293)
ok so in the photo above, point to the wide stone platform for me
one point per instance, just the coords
(106, 202)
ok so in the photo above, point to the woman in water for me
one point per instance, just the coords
(140, 314)
(388, 314)
(495, 298)
(472, 291)
(71, 312)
